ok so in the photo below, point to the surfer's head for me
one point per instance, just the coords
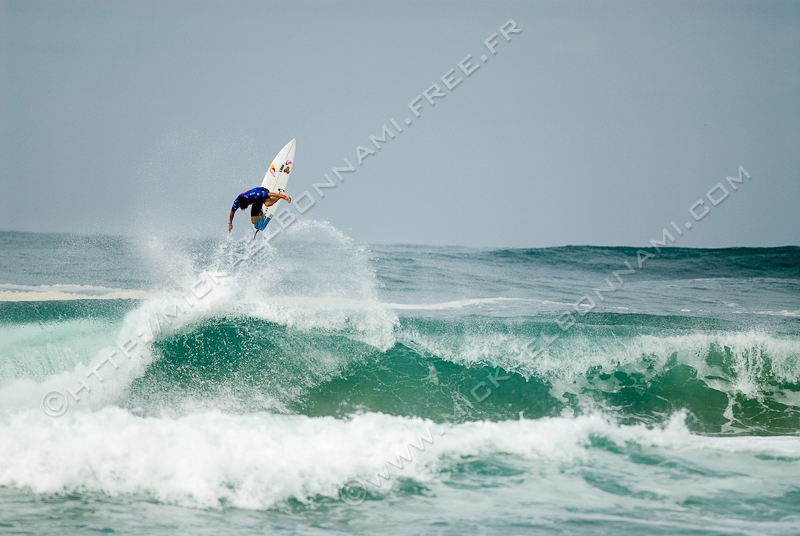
(241, 202)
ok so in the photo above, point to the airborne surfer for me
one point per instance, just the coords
(255, 199)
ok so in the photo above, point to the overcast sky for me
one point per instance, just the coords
(598, 123)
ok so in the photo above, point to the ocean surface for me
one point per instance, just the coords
(313, 384)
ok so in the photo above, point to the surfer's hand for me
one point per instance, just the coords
(287, 198)
(230, 227)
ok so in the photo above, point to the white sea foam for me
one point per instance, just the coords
(211, 459)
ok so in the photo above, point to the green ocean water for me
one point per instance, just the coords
(483, 385)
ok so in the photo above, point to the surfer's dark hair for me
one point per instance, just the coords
(241, 202)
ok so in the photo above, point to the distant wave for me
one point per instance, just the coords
(344, 303)
(60, 292)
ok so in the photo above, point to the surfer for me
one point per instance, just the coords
(255, 199)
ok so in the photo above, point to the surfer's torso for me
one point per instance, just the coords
(254, 195)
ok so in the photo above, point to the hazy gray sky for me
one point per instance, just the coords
(599, 123)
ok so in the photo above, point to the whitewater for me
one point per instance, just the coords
(161, 386)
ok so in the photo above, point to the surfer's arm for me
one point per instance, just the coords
(230, 221)
(276, 196)
(273, 198)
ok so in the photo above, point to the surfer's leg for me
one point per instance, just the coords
(255, 212)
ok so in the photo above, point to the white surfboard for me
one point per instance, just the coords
(278, 174)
